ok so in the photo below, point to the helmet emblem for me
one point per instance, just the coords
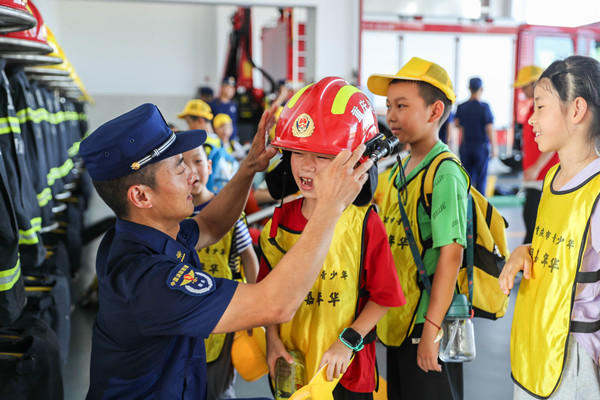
(303, 126)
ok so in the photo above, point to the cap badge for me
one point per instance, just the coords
(303, 126)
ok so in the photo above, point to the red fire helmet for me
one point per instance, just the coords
(32, 41)
(14, 16)
(325, 118)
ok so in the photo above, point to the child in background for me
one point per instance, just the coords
(358, 282)
(219, 151)
(223, 126)
(555, 340)
(197, 114)
(419, 98)
(221, 260)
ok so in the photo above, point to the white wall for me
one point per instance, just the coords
(490, 57)
(129, 52)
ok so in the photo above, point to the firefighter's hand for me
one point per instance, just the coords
(338, 358)
(276, 349)
(519, 260)
(341, 181)
(259, 155)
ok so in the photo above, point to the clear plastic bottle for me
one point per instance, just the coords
(458, 341)
(289, 377)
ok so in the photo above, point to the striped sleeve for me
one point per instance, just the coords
(242, 236)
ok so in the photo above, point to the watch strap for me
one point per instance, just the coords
(351, 346)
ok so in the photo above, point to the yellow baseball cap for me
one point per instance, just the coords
(527, 75)
(220, 120)
(416, 69)
(196, 108)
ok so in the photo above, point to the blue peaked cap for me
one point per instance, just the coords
(129, 142)
(475, 83)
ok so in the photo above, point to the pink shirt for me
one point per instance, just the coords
(587, 297)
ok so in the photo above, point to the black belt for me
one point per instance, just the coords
(585, 327)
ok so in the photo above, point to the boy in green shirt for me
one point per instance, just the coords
(419, 98)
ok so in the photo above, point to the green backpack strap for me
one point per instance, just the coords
(429, 176)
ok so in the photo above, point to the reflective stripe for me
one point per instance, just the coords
(74, 149)
(341, 99)
(41, 114)
(44, 197)
(36, 223)
(65, 169)
(51, 176)
(9, 124)
(71, 115)
(29, 236)
(291, 102)
(29, 114)
(54, 175)
(57, 117)
(9, 277)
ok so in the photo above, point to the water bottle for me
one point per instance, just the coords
(289, 377)
(458, 340)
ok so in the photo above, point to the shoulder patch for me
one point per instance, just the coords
(190, 281)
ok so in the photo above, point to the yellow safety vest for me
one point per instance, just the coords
(542, 316)
(398, 322)
(331, 303)
(214, 260)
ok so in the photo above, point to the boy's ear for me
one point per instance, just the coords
(139, 196)
(437, 110)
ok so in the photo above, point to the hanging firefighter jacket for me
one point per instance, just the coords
(65, 164)
(50, 136)
(12, 291)
(26, 109)
(27, 209)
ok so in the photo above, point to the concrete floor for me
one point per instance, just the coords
(487, 377)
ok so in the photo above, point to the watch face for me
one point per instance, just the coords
(352, 337)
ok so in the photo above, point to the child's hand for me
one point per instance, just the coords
(276, 349)
(427, 352)
(337, 357)
(519, 260)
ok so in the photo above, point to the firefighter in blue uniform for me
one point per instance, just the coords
(475, 123)
(225, 103)
(155, 304)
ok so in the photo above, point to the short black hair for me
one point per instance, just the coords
(114, 192)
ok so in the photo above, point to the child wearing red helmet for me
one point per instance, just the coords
(358, 281)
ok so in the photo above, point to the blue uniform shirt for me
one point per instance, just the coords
(156, 307)
(473, 116)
